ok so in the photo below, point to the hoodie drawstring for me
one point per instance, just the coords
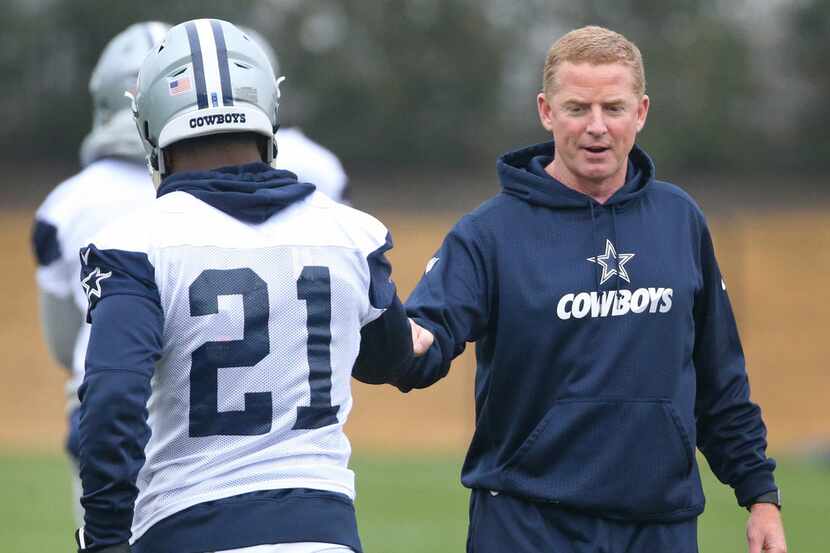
(594, 243)
(615, 241)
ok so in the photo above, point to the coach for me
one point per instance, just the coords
(607, 349)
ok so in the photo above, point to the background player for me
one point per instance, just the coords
(113, 181)
(237, 304)
(297, 153)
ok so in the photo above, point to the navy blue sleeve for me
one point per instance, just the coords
(45, 243)
(386, 342)
(385, 347)
(382, 289)
(452, 301)
(731, 433)
(73, 436)
(125, 344)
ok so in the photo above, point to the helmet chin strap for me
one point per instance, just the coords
(155, 165)
(156, 179)
(273, 149)
(160, 165)
(155, 175)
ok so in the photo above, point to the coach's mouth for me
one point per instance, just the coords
(596, 149)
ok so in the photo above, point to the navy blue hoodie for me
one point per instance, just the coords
(605, 342)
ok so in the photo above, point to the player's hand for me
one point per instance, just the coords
(421, 338)
(764, 530)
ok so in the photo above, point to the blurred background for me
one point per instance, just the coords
(418, 98)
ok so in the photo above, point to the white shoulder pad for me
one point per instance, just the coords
(102, 182)
(366, 232)
(61, 202)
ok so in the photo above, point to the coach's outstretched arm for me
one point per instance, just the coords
(125, 343)
(731, 432)
(451, 301)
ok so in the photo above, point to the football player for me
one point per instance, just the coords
(113, 181)
(227, 318)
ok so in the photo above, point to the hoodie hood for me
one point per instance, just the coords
(522, 174)
(116, 137)
(251, 193)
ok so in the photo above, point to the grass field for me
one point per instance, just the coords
(405, 504)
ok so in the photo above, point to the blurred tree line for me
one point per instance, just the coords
(387, 84)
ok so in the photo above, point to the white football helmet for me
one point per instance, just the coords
(113, 131)
(206, 77)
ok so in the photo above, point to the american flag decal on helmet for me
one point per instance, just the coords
(179, 86)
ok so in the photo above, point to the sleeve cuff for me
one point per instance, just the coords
(85, 545)
(753, 486)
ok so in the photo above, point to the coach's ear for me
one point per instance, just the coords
(642, 112)
(545, 111)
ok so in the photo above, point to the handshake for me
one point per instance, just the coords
(421, 338)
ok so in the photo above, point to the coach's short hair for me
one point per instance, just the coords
(595, 45)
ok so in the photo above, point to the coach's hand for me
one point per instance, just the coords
(765, 531)
(421, 338)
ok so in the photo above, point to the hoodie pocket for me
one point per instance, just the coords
(628, 459)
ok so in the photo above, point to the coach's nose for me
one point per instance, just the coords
(596, 124)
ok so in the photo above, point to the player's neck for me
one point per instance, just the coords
(206, 159)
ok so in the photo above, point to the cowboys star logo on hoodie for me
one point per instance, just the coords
(614, 303)
(619, 263)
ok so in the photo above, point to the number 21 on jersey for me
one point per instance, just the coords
(313, 287)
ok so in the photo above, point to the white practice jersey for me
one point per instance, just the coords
(76, 210)
(261, 330)
(311, 162)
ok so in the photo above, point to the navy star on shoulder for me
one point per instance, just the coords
(126, 273)
(92, 283)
